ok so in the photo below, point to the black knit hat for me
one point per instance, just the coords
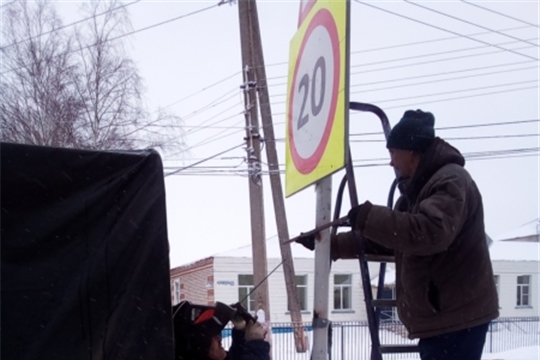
(415, 131)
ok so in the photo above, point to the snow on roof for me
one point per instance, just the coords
(389, 278)
(514, 251)
(528, 229)
(272, 251)
(499, 250)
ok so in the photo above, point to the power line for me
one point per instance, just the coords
(443, 29)
(71, 24)
(450, 92)
(454, 91)
(468, 22)
(215, 137)
(466, 97)
(203, 89)
(137, 31)
(438, 53)
(465, 138)
(203, 160)
(218, 101)
(443, 73)
(434, 81)
(433, 61)
(418, 43)
(513, 122)
(201, 127)
(414, 64)
(501, 14)
(443, 80)
(364, 163)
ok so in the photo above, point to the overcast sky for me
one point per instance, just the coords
(403, 57)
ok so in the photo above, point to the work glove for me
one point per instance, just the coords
(307, 240)
(254, 331)
(358, 216)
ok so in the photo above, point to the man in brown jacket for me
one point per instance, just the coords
(445, 290)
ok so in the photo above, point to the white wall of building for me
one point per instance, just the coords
(227, 269)
(507, 273)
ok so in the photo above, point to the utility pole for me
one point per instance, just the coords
(253, 148)
(275, 178)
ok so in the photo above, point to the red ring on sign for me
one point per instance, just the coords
(305, 166)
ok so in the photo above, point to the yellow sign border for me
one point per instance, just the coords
(334, 155)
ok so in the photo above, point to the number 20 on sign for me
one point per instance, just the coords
(316, 96)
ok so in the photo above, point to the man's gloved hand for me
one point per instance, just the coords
(353, 215)
(307, 240)
(254, 331)
(358, 216)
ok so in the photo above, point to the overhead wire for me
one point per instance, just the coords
(535, 87)
(442, 128)
(365, 163)
(218, 101)
(413, 64)
(467, 22)
(439, 53)
(216, 137)
(450, 92)
(499, 13)
(454, 91)
(436, 74)
(70, 24)
(203, 160)
(458, 138)
(417, 43)
(136, 31)
(443, 80)
(443, 29)
(203, 89)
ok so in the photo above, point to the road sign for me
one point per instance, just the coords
(305, 7)
(317, 94)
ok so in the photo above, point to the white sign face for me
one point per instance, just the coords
(313, 92)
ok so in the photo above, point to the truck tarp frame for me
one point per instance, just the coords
(84, 255)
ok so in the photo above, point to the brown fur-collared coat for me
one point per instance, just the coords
(444, 277)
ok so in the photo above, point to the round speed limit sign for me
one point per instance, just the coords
(314, 92)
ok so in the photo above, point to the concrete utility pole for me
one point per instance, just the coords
(275, 179)
(258, 237)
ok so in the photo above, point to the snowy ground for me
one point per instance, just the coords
(352, 343)
(525, 353)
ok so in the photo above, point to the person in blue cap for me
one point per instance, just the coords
(445, 289)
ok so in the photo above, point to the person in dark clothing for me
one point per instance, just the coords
(198, 335)
(445, 290)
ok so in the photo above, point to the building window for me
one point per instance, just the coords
(245, 286)
(342, 292)
(523, 290)
(176, 291)
(388, 313)
(301, 287)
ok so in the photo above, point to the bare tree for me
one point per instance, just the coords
(39, 101)
(86, 90)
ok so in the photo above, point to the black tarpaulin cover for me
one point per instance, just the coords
(85, 267)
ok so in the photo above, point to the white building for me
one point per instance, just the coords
(227, 277)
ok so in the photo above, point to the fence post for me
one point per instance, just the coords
(342, 344)
(491, 337)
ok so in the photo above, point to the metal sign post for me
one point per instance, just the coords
(316, 146)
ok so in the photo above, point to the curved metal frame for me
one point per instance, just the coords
(348, 179)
